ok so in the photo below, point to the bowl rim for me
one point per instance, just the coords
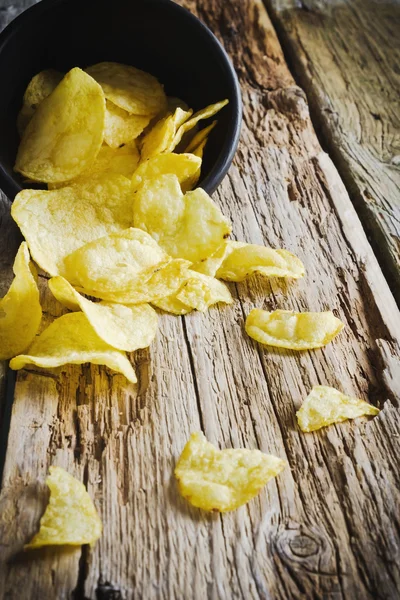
(220, 168)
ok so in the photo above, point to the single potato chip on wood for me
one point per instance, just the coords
(123, 327)
(131, 89)
(184, 166)
(293, 330)
(222, 480)
(128, 267)
(325, 405)
(65, 134)
(39, 88)
(70, 517)
(122, 127)
(198, 292)
(57, 222)
(20, 310)
(186, 226)
(161, 135)
(242, 259)
(71, 339)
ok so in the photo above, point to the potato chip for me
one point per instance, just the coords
(205, 113)
(70, 517)
(186, 226)
(161, 136)
(55, 223)
(123, 327)
(40, 86)
(184, 166)
(122, 127)
(222, 480)
(129, 88)
(20, 310)
(117, 161)
(65, 133)
(128, 267)
(200, 137)
(325, 406)
(197, 292)
(293, 330)
(210, 265)
(241, 260)
(71, 339)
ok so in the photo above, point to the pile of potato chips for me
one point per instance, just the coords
(121, 231)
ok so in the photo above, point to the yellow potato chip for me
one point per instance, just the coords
(39, 87)
(161, 136)
(129, 88)
(186, 226)
(20, 310)
(123, 327)
(197, 292)
(325, 406)
(117, 161)
(210, 265)
(293, 330)
(201, 136)
(241, 260)
(65, 133)
(70, 517)
(55, 223)
(205, 113)
(128, 267)
(223, 480)
(122, 127)
(71, 339)
(184, 166)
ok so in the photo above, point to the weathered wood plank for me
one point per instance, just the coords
(328, 527)
(346, 55)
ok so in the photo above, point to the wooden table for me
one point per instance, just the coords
(316, 172)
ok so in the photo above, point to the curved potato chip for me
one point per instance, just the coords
(161, 136)
(70, 517)
(200, 137)
(242, 259)
(129, 88)
(128, 267)
(222, 480)
(39, 87)
(186, 226)
(65, 133)
(205, 113)
(71, 339)
(293, 330)
(210, 265)
(20, 310)
(57, 222)
(198, 292)
(184, 166)
(324, 406)
(123, 327)
(122, 127)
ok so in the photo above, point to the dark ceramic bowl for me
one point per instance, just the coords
(158, 36)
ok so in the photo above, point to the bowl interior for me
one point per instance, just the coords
(155, 35)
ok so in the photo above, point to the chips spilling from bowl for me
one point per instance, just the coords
(222, 480)
(70, 517)
(325, 405)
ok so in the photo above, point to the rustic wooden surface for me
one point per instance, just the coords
(346, 54)
(328, 527)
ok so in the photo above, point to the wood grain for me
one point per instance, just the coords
(328, 527)
(346, 53)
